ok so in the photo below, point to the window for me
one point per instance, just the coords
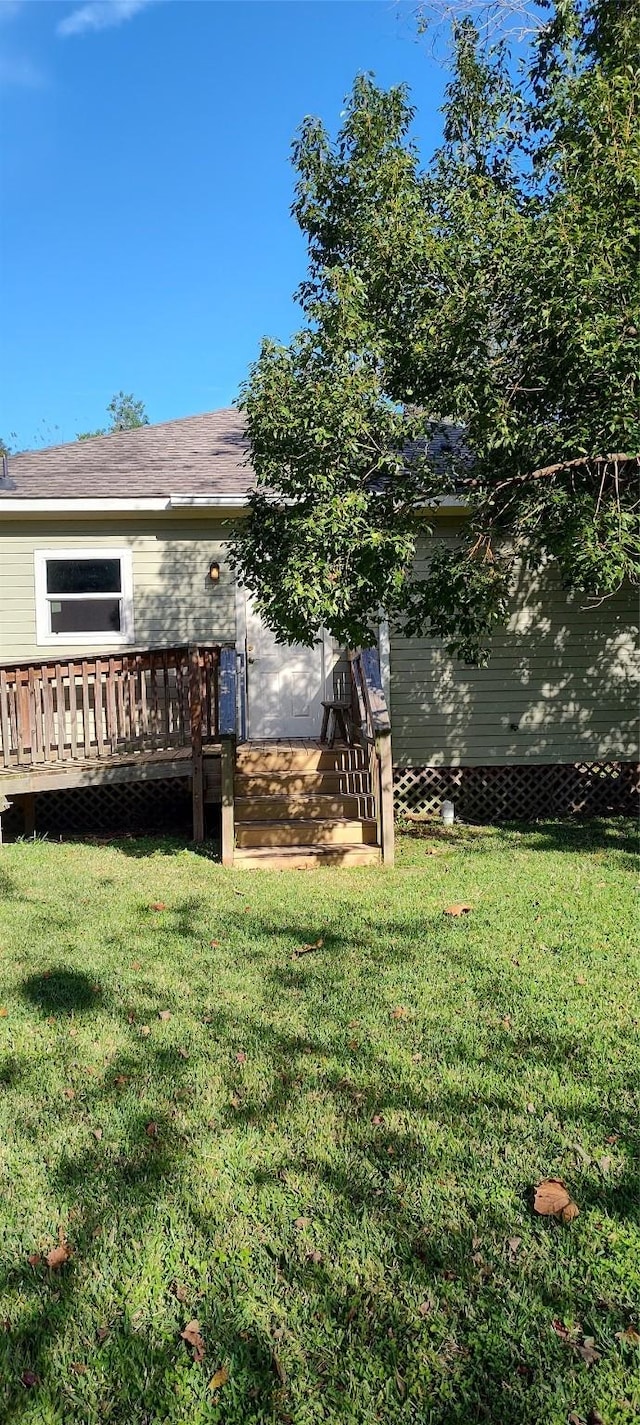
(84, 596)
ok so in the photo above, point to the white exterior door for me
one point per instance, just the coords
(285, 684)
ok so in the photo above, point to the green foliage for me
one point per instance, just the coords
(495, 290)
(125, 414)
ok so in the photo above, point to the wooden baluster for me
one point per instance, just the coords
(61, 714)
(99, 712)
(4, 720)
(49, 739)
(73, 709)
(153, 693)
(86, 708)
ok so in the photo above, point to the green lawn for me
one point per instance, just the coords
(340, 1195)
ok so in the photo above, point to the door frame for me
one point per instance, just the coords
(330, 658)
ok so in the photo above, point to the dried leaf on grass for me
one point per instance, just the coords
(241, 1057)
(58, 1256)
(400, 1012)
(158, 905)
(29, 1379)
(304, 949)
(458, 909)
(219, 1379)
(551, 1199)
(79, 1368)
(151, 1130)
(164, 1014)
(97, 1133)
(629, 1337)
(191, 1335)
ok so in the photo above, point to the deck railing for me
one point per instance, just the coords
(373, 729)
(84, 708)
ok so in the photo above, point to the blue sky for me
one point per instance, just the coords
(146, 241)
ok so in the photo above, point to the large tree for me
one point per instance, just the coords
(125, 413)
(470, 325)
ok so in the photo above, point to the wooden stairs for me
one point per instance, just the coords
(301, 805)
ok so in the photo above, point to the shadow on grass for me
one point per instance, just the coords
(62, 991)
(619, 834)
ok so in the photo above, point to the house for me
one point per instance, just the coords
(129, 657)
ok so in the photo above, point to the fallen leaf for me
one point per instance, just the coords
(219, 1379)
(531, 1108)
(184, 1053)
(279, 1369)
(215, 944)
(506, 1021)
(425, 1308)
(97, 1133)
(458, 909)
(35, 1259)
(416, 1058)
(102, 1333)
(302, 1222)
(400, 1012)
(629, 1337)
(551, 1199)
(315, 1257)
(234, 1100)
(191, 1335)
(241, 1057)
(29, 1378)
(514, 1245)
(68, 1093)
(305, 949)
(151, 1130)
(121, 1080)
(131, 1019)
(180, 1292)
(164, 1014)
(145, 1030)
(560, 1329)
(136, 965)
(604, 1164)
(581, 979)
(377, 1119)
(613, 1138)
(58, 1256)
(354, 1044)
(79, 1368)
(158, 905)
(587, 1349)
(594, 1417)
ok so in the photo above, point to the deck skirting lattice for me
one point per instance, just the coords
(136, 806)
(520, 792)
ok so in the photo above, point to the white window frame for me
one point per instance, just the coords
(44, 635)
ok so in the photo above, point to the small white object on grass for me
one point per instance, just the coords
(447, 813)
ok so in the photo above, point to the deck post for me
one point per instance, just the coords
(385, 762)
(228, 725)
(197, 760)
(227, 774)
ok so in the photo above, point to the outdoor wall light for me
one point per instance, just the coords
(214, 571)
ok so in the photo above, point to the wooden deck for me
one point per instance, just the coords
(164, 713)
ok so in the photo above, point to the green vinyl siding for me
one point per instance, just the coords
(174, 600)
(561, 685)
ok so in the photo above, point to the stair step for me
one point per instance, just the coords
(253, 758)
(286, 784)
(306, 831)
(304, 858)
(288, 808)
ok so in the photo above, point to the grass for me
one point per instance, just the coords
(341, 1197)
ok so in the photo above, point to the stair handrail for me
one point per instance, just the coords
(373, 723)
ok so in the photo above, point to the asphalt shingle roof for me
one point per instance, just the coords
(198, 455)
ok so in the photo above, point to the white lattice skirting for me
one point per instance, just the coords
(520, 793)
